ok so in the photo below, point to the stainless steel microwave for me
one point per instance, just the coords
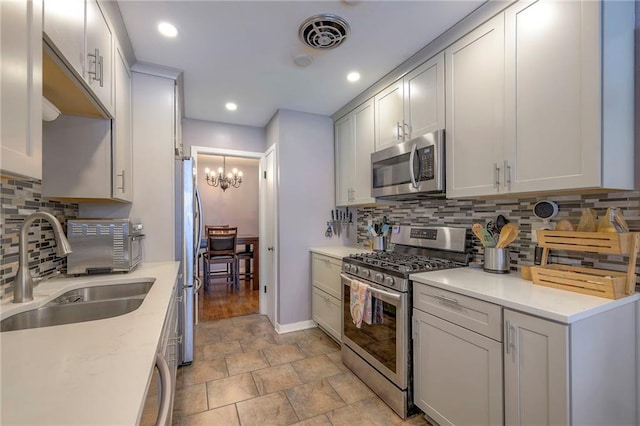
(409, 169)
(104, 245)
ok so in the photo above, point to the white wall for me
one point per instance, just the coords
(305, 198)
(222, 135)
(235, 206)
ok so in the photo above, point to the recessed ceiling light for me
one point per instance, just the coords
(231, 106)
(353, 76)
(167, 30)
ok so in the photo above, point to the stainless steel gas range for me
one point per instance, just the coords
(380, 354)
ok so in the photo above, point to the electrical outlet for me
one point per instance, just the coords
(534, 227)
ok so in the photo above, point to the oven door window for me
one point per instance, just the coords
(378, 340)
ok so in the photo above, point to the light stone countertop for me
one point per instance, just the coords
(87, 373)
(510, 291)
(338, 252)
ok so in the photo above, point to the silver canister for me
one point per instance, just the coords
(496, 260)
(379, 243)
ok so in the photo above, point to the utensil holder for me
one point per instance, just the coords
(496, 260)
(379, 243)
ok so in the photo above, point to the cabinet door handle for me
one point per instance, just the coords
(507, 174)
(509, 338)
(96, 59)
(100, 62)
(407, 129)
(398, 131)
(496, 175)
(447, 299)
(121, 188)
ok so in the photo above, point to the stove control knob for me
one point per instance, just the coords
(389, 281)
(354, 269)
(378, 277)
(366, 273)
(345, 267)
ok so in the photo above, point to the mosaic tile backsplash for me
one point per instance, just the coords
(434, 212)
(20, 198)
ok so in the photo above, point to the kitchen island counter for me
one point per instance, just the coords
(510, 291)
(94, 372)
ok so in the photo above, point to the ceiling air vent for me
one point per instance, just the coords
(324, 31)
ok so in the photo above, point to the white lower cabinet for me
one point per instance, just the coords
(457, 372)
(536, 367)
(550, 373)
(326, 296)
(326, 312)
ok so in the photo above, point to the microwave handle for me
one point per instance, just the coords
(412, 158)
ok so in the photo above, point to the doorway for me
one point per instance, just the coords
(237, 206)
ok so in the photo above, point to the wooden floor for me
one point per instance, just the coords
(220, 301)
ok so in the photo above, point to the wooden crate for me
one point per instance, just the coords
(597, 282)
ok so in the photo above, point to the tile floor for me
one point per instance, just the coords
(244, 373)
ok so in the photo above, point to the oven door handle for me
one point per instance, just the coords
(377, 292)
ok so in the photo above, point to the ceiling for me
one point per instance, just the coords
(242, 51)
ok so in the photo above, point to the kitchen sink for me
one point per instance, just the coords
(81, 305)
(104, 292)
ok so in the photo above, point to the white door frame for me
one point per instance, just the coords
(263, 227)
(207, 150)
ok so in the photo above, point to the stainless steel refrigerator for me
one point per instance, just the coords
(188, 235)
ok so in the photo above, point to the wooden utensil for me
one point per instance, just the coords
(508, 235)
(483, 235)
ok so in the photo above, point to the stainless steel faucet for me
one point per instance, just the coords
(23, 283)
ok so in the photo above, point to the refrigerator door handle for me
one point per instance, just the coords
(198, 215)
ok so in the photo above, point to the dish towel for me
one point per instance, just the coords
(373, 313)
(359, 301)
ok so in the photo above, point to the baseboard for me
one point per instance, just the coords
(296, 326)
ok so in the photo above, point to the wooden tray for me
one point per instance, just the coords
(595, 242)
(596, 282)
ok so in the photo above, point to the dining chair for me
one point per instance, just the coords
(222, 250)
(245, 254)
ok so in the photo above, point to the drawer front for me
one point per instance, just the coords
(473, 314)
(326, 312)
(325, 274)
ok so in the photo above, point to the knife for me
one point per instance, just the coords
(333, 222)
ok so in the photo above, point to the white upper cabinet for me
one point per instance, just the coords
(64, 27)
(78, 32)
(122, 149)
(99, 55)
(354, 143)
(553, 111)
(475, 105)
(21, 88)
(412, 106)
(552, 122)
(389, 116)
(424, 98)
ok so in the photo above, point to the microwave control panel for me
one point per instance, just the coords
(427, 163)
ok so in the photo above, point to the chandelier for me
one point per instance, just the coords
(223, 179)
